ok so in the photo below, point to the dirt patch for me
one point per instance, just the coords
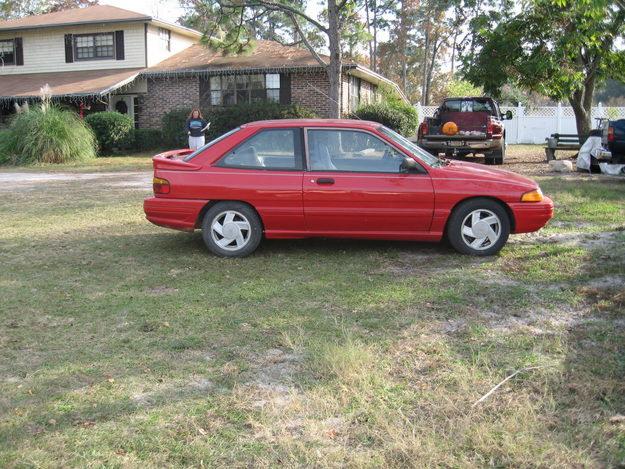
(586, 240)
(26, 181)
(273, 377)
(161, 290)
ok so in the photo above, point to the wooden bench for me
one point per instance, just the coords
(561, 142)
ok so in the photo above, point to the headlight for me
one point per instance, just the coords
(532, 196)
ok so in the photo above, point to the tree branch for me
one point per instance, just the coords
(277, 7)
(305, 40)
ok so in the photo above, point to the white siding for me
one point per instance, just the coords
(44, 49)
(157, 51)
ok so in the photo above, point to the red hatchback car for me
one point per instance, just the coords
(337, 178)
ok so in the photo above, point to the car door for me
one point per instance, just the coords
(266, 171)
(354, 185)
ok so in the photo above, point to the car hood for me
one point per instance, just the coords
(463, 169)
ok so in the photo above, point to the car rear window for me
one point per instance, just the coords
(469, 105)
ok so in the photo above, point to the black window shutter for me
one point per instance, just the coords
(19, 51)
(285, 88)
(69, 48)
(119, 45)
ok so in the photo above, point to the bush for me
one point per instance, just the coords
(403, 121)
(173, 132)
(6, 140)
(225, 119)
(392, 99)
(113, 131)
(147, 139)
(51, 135)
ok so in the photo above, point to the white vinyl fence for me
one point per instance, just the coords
(535, 124)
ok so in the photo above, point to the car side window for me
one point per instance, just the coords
(351, 151)
(268, 149)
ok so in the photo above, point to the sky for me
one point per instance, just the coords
(170, 10)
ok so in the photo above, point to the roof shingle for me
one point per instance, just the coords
(93, 14)
(83, 83)
(265, 54)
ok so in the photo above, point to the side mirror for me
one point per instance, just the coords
(408, 165)
(508, 115)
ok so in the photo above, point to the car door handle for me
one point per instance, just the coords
(325, 181)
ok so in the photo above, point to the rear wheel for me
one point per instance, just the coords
(500, 154)
(478, 227)
(231, 229)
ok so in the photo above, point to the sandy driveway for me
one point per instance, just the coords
(11, 181)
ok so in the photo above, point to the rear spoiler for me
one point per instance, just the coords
(174, 160)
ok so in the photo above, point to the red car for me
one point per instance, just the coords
(340, 179)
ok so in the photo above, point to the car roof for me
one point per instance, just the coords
(456, 98)
(347, 123)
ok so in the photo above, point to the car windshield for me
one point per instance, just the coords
(420, 153)
(210, 144)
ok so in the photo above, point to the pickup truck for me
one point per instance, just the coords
(613, 139)
(480, 129)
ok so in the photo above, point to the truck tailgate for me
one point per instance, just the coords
(467, 121)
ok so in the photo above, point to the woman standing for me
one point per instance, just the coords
(196, 126)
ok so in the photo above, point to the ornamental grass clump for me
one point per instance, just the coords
(47, 134)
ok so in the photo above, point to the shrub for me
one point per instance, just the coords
(400, 120)
(48, 135)
(173, 132)
(392, 99)
(6, 139)
(225, 119)
(147, 139)
(113, 131)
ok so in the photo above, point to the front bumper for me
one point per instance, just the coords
(531, 216)
(179, 214)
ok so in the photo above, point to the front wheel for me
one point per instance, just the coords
(478, 227)
(231, 229)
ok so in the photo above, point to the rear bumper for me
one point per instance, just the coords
(460, 145)
(531, 216)
(179, 214)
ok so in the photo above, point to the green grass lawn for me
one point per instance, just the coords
(127, 345)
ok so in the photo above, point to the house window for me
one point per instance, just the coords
(7, 52)
(165, 36)
(94, 46)
(354, 93)
(228, 90)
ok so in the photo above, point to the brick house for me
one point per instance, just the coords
(106, 58)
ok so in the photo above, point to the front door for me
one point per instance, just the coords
(355, 186)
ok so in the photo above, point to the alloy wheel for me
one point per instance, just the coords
(481, 229)
(230, 230)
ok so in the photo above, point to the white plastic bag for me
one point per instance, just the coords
(592, 144)
(612, 169)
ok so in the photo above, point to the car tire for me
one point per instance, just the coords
(499, 154)
(231, 229)
(478, 227)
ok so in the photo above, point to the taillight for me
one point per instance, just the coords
(424, 128)
(490, 127)
(160, 185)
(610, 134)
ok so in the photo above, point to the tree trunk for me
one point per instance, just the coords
(581, 101)
(453, 54)
(375, 36)
(424, 75)
(371, 57)
(336, 60)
